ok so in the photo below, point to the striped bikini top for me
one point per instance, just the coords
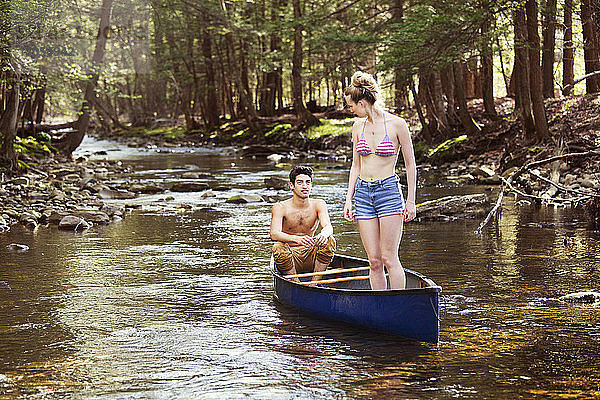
(385, 148)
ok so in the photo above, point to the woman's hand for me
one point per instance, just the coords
(410, 211)
(348, 214)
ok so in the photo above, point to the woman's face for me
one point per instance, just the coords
(357, 109)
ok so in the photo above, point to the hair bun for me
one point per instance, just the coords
(364, 86)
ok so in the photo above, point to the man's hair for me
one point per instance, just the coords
(300, 170)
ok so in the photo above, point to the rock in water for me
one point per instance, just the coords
(581, 297)
(17, 247)
(245, 198)
(73, 223)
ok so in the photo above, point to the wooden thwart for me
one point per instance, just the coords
(348, 278)
(327, 272)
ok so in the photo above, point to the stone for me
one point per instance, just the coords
(569, 179)
(71, 177)
(17, 247)
(581, 297)
(189, 187)
(588, 183)
(95, 216)
(523, 203)
(73, 223)
(245, 198)
(190, 175)
(116, 194)
(113, 211)
(21, 180)
(147, 188)
(208, 193)
(276, 158)
(275, 182)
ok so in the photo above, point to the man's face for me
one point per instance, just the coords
(302, 186)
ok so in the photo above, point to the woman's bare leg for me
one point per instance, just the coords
(390, 234)
(370, 234)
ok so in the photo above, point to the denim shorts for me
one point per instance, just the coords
(378, 198)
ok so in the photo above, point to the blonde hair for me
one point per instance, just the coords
(364, 87)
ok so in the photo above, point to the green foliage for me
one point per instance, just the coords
(330, 127)
(30, 146)
(175, 132)
(277, 128)
(421, 150)
(446, 146)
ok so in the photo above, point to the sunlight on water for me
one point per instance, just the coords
(175, 301)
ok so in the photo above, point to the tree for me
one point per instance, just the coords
(535, 77)
(487, 65)
(568, 53)
(549, 33)
(305, 117)
(73, 140)
(591, 47)
(521, 74)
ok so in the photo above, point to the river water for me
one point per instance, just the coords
(175, 301)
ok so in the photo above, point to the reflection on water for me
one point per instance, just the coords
(176, 302)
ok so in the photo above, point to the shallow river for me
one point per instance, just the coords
(175, 301)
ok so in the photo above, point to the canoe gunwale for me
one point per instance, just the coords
(432, 288)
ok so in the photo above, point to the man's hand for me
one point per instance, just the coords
(305, 240)
(321, 239)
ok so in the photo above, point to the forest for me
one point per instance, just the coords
(112, 65)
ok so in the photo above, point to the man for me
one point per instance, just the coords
(293, 224)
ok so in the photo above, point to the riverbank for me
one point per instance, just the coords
(565, 171)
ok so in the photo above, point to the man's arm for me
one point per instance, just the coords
(279, 235)
(327, 228)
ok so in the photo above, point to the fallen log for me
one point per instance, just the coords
(507, 184)
(30, 129)
(453, 207)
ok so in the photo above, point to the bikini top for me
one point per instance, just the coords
(384, 149)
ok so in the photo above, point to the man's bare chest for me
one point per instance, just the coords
(300, 219)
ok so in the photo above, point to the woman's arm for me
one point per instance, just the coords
(411, 168)
(353, 176)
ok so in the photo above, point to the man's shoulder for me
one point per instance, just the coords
(318, 202)
(283, 204)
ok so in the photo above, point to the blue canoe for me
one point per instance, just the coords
(347, 297)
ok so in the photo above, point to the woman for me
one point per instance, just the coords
(380, 207)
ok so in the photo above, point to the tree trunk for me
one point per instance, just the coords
(487, 66)
(40, 102)
(400, 84)
(210, 98)
(425, 134)
(549, 33)
(305, 117)
(521, 74)
(73, 140)
(568, 53)
(246, 106)
(449, 86)
(8, 120)
(466, 120)
(590, 46)
(535, 78)
(437, 100)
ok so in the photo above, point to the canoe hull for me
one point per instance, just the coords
(411, 313)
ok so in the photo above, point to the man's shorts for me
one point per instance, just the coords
(376, 199)
(303, 258)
